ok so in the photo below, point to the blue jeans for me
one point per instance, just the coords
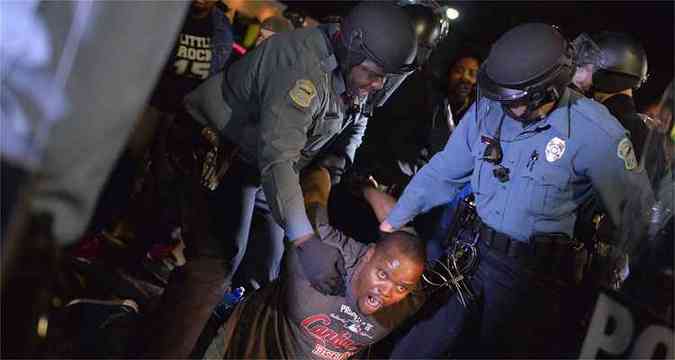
(262, 259)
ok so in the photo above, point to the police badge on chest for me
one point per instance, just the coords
(555, 149)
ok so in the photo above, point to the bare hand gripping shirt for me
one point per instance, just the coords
(291, 319)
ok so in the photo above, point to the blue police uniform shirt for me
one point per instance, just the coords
(555, 164)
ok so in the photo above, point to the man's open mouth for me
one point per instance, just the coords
(373, 302)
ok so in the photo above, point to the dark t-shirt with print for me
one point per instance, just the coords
(292, 319)
(201, 49)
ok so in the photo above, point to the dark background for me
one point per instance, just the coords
(481, 22)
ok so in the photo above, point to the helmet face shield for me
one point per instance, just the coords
(496, 92)
(404, 69)
(382, 33)
(619, 60)
(393, 82)
(586, 50)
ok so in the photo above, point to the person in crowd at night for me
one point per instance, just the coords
(610, 68)
(275, 111)
(137, 208)
(364, 293)
(533, 151)
(261, 261)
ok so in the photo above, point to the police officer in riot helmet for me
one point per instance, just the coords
(527, 86)
(430, 29)
(369, 51)
(275, 111)
(359, 45)
(388, 118)
(533, 151)
(609, 62)
(610, 67)
(387, 44)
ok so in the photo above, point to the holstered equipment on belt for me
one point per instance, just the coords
(551, 255)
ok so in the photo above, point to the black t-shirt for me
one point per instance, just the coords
(291, 319)
(201, 49)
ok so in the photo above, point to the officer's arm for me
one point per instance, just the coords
(316, 184)
(289, 101)
(439, 180)
(322, 257)
(616, 178)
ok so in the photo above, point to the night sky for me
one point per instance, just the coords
(481, 22)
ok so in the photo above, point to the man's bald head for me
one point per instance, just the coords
(404, 243)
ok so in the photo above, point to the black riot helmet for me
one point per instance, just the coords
(620, 61)
(381, 33)
(530, 64)
(430, 28)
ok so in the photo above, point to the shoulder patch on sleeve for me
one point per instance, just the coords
(302, 93)
(626, 153)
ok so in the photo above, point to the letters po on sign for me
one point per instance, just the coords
(617, 332)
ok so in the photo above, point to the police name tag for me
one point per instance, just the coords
(302, 93)
(626, 153)
(555, 149)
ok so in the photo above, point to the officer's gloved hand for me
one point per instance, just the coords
(323, 266)
(335, 164)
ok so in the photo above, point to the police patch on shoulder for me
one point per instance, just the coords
(302, 93)
(626, 153)
(555, 149)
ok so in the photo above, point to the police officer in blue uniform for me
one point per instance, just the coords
(532, 150)
(610, 68)
(277, 109)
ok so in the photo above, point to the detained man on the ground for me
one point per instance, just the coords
(363, 291)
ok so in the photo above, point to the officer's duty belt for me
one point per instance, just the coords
(551, 256)
(538, 246)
